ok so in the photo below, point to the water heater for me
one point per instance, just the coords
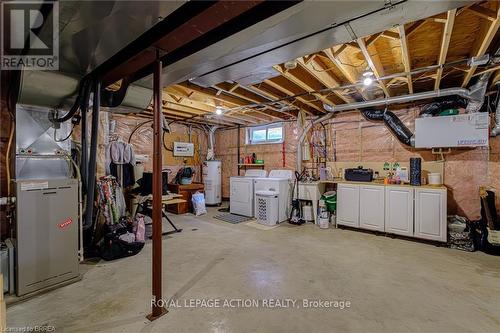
(213, 182)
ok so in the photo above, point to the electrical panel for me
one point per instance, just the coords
(463, 130)
(183, 149)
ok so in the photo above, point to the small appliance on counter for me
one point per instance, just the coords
(359, 174)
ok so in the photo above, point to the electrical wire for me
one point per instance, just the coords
(7, 157)
(137, 127)
(66, 138)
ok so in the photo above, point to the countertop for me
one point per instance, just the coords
(380, 183)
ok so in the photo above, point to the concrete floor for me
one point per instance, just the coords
(393, 284)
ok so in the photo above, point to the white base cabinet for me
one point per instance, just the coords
(371, 207)
(399, 210)
(430, 214)
(348, 205)
(418, 212)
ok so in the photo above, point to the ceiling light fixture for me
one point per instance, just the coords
(218, 110)
(290, 64)
(368, 78)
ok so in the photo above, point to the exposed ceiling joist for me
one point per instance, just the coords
(375, 65)
(405, 55)
(445, 43)
(349, 72)
(483, 12)
(414, 27)
(294, 77)
(249, 96)
(483, 47)
(271, 92)
(370, 40)
(281, 86)
(391, 35)
(212, 93)
(316, 69)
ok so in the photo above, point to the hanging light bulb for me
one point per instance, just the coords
(218, 110)
(368, 78)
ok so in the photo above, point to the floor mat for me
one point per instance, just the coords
(232, 218)
(256, 225)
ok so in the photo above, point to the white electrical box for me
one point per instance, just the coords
(183, 149)
(463, 130)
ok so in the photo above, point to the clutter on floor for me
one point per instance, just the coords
(460, 233)
(186, 191)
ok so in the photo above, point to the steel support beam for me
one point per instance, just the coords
(157, 310)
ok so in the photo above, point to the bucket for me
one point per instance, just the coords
(330, 199)
(324, 222)
(435, 179)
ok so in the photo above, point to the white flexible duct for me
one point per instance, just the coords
(211, 143)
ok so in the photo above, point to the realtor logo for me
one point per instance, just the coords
(30, 35)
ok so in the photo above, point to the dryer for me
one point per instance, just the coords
(279, 181)
(241, 198)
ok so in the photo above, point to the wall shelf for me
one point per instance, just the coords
(250, 165)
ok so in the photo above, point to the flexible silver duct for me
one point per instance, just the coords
(477, 92)
(211, 143)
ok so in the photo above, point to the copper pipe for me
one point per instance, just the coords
(156, 309)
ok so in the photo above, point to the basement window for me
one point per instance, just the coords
(272, 133)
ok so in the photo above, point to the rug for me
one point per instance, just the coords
(232, 218)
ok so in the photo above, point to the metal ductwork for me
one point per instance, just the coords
(391, 120)
(57, 90)
(462, 92)
(211, 143)
(477, 92)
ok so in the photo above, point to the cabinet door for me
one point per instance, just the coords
(430, 214)
(399, 210)
(348, 205)
(371, 207)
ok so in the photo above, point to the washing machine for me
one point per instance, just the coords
(280, 182)
(241, 197)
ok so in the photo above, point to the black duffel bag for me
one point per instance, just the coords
(113, 247)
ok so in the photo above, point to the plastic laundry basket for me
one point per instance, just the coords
(266, 207)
